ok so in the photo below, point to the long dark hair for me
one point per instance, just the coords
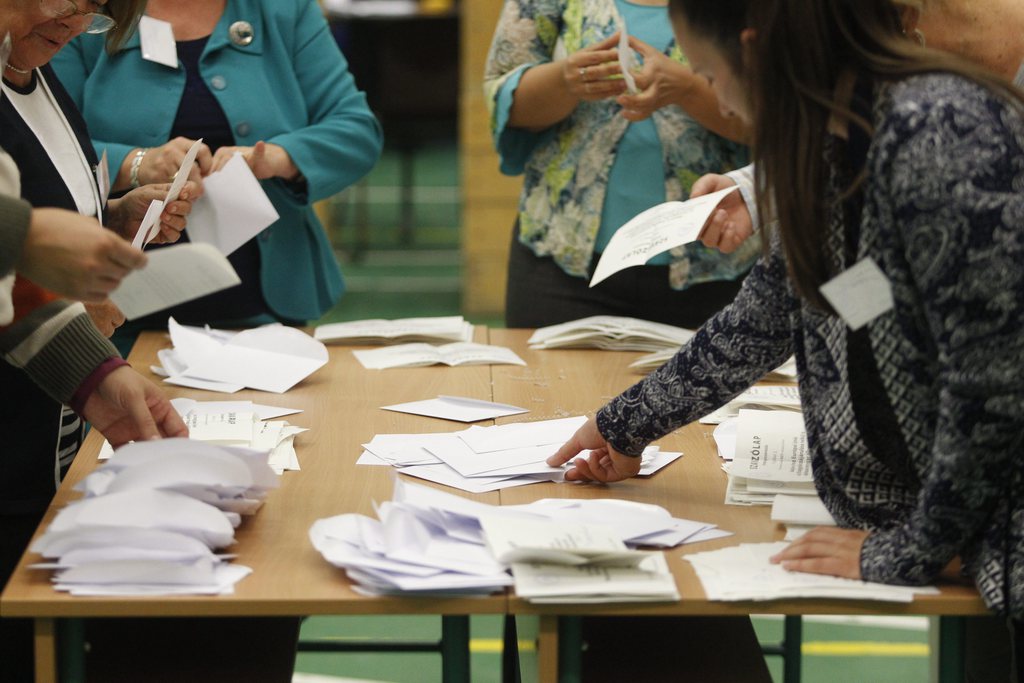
(126, 13)
(791, 69)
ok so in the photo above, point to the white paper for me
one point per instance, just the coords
(744, 572)
(181, 177)
(650, 581)
(400, 331)
(418, 355)
(772, 446)
(657, 229)
(457, 408)
(612, 333)
(156, 39)
(149, 228)
(512, 539)
(174, 275)
(233, 208)
(859, 294)
(103, 178)
(801, 510)
(627, 60)
(270, 358)
(522, 434)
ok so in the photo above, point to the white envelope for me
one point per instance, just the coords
(233, 208)
(457, 408)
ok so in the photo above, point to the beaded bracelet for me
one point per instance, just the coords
(133, 172)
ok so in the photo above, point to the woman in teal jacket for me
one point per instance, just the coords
(261, 77)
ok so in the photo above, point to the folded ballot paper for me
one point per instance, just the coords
(612, 333)
(744, 572)
(269, 358)
(656, 230)
(771, 457)
(151, 519)
(238, 423)
(761, 397)
(418, 355)
(800, 514)
(481, 459)
(401, 331)
(427, 542)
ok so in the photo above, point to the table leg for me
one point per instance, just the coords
(547, 649)
(951, 649)
(45, 651)
(455, 649)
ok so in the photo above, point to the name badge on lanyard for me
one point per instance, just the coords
(156, 38)
(859, 294)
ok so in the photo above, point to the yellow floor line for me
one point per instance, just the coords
(839, 648)
(493, 645)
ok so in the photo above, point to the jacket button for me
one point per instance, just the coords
(219, 82)
(243, 128)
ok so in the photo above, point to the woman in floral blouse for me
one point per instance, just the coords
(594, 155)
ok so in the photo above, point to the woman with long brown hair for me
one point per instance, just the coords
(907, 165)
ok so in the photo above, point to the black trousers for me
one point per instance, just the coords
(540, 293)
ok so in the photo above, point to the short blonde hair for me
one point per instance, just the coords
(126, 13)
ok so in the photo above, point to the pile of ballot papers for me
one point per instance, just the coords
(612, 333)
(427, 542)
(269, 358)
(744, 572)
(401, 331)
(420, 355)
(238, 423)
(152, 517)
(481, 459)
(800, 514)
(771, 457)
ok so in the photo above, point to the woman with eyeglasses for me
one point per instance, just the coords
(907, 163)
(261, 78)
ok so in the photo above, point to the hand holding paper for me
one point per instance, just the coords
(657, 229)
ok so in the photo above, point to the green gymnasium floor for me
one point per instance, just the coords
(382, 268)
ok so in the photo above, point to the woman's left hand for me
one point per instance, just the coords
(125, 215)
(266, 160)
(825, 550)
(662, 81)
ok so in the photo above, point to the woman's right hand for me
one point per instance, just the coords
(593, 73)
(730, 225)
(161, 163)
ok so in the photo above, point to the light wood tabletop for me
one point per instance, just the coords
(341, 407)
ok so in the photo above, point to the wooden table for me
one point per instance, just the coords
(341, 407)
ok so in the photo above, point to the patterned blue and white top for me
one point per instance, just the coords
(567, 166)
(916, 422)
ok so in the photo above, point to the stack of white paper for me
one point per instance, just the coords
(481, 459)
(269, 358)
(430, 542)
(761, 397)
(771, 457)
(649, 581)
(419, 355)
(238, 423)
(800, 514)
(231, 479)
(151, 519)
(425, 543)
(401, 331)
(744, 572)
(612, 333)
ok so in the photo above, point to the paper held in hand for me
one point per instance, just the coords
(657, 229)
(174, 275)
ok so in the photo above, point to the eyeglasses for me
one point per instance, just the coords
(60, 9)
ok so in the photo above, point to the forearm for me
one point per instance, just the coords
(542, 99)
